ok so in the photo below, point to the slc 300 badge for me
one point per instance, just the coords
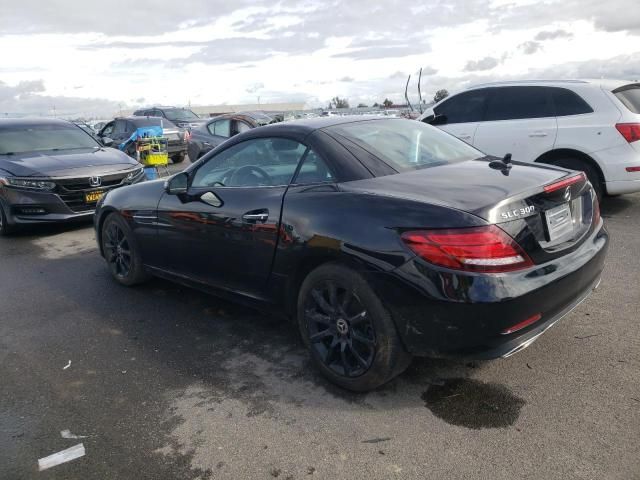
(518, 213)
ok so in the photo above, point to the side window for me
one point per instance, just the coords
(240, 127)
(569, 103)
(107, 130)
(221, 128)
(120, 127)
(464, 107)
(313, 170)
(512, 103)
(255, 163)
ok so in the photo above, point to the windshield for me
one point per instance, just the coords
(407, 144)
(629, 95)
(180, 114)
(35, 138)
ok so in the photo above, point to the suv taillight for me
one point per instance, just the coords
(630, 131)
(479, 249)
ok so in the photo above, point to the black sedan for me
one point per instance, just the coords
(209, 135)
(52, 170)
(380, 238)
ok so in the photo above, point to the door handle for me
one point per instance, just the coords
(256, 217)
(464, 136)
(538, 134)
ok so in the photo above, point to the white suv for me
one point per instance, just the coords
(593, 126)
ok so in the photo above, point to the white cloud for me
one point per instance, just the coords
(208, 52)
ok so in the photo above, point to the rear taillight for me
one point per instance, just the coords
(596, 212)
(479, 249)
(552, 187)
(633, 169)
(630, 131)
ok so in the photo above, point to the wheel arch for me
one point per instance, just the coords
(308, 264)
(560, 153)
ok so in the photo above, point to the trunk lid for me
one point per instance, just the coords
(546, 224)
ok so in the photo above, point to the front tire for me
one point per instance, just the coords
(350, 335)
(178, 158)
(5, 228)
(121, 251)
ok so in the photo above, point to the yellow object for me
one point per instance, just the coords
(155, 158)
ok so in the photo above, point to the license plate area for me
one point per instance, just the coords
(559, 222)
(93, 197)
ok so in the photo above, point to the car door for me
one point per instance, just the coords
(220, 131)
(518, 120)
(459, 115)
(119, 133)
(224, 231)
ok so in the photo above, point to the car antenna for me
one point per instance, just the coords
(406, 96)
(419, 92)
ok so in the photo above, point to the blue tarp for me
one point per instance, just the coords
(150, 131)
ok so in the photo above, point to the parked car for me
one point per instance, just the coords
(53, 171)
(218, 129)
(87, 128)
(121, 129)
(383, 238)
(180, 117)
(593, 126)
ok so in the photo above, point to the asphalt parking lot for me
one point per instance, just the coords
(165, 382)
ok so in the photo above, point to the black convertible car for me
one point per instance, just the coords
(382, 238)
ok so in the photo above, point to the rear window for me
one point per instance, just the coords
(35, 138)
(629, 95)
(569, 103)
(406, 145)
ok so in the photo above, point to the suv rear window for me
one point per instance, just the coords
(569, 103)
(629, 95)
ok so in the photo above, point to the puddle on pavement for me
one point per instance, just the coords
(473, 404)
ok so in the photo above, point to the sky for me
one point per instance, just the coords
(83, 58)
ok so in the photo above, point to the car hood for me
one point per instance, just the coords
(85, 162)
(471, 186)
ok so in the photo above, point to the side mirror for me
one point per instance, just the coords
(106, 141)
(177, 184)
(435, 119)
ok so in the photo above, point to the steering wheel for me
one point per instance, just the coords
(249, 169)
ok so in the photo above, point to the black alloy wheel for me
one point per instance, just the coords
(347, 329)
(121, 251)
(117, 251)
(340, 329)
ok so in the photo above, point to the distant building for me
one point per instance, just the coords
(209, 110)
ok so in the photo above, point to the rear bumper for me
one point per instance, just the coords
(614, 163)
(175, 148)
(623, 186)
(445, 314)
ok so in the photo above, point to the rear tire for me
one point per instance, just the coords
(121, 251)
(350, 335)
(590, 171)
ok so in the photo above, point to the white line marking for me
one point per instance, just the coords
(68, 434)
(67, 365)
(62, 456)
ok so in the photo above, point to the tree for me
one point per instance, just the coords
(362, 105)
(338, 102)
(376, 105)
(387, 103)
(440, 94)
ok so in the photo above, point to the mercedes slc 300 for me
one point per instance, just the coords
(381, 238)
(53, 171)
